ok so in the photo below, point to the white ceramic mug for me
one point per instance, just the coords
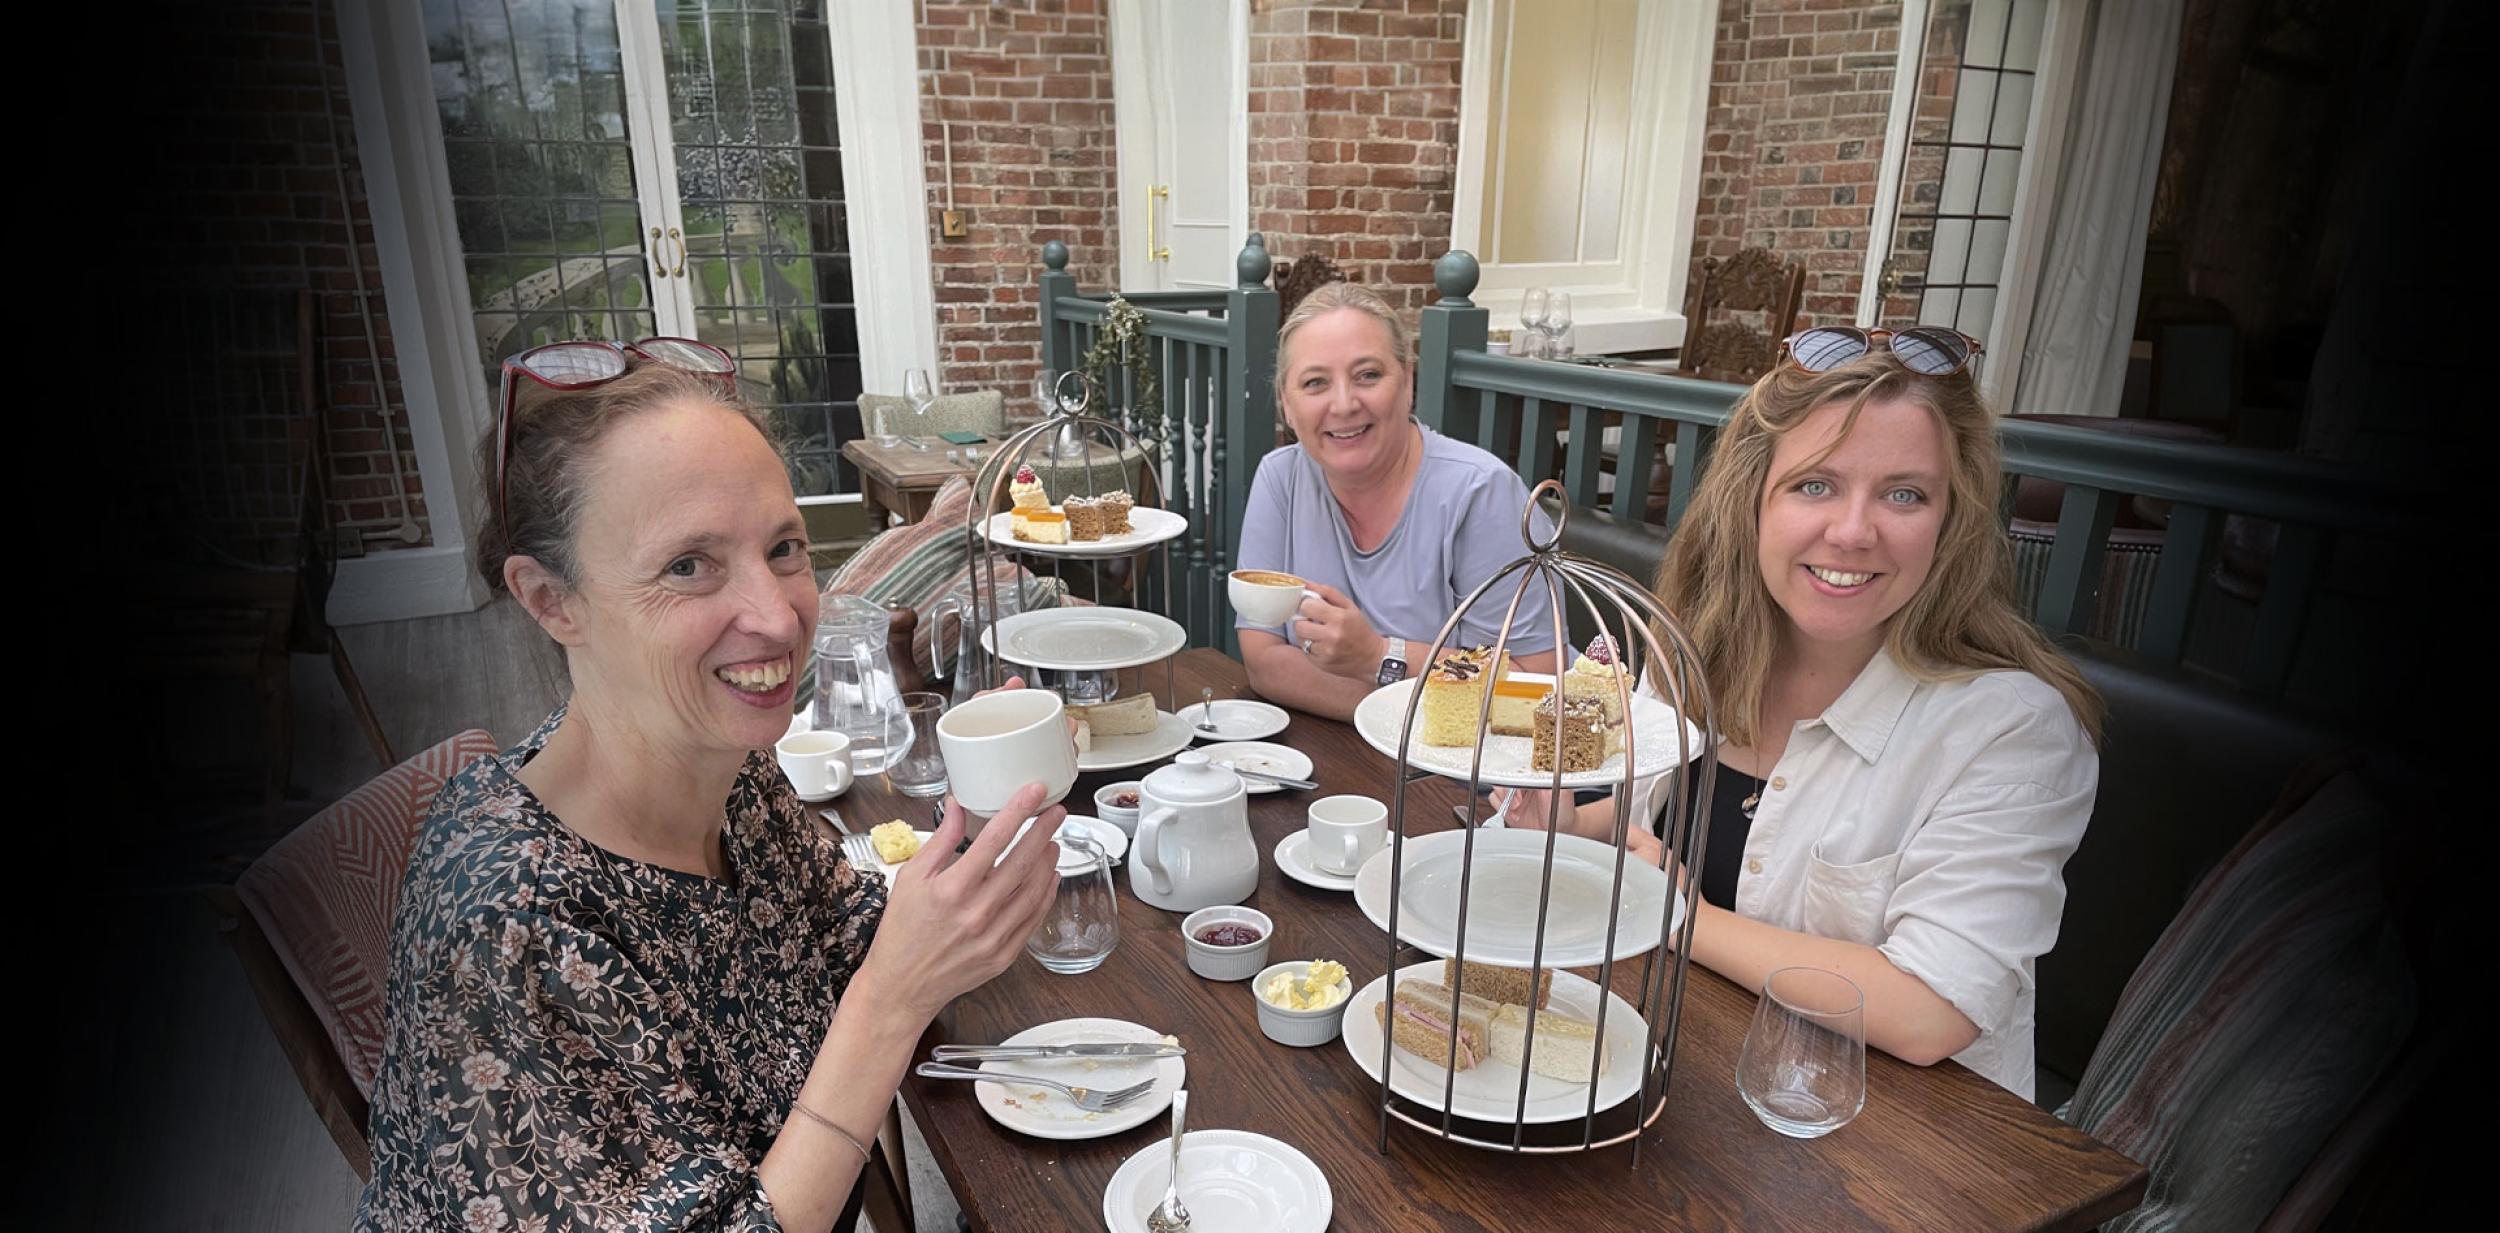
(818, 763)
(1266, 602)
(1000, 742)
(1345, 831)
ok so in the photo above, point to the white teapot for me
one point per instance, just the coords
(1193, 847)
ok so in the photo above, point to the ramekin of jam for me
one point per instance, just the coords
(1227, 943)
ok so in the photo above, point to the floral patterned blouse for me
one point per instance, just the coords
(578, 1041)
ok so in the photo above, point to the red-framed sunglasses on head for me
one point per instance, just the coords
(587, 364)
(1929, 350)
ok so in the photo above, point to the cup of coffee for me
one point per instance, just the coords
(818, 763)
(997, 743)
(1345, 831)
(1266, 596)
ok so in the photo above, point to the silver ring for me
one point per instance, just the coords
(1306, 649)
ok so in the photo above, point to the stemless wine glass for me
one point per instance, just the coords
(1083, 925)
(1803, 1067)
(921, 771)
(922, 394)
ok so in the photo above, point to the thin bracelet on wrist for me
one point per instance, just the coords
(826, 1122)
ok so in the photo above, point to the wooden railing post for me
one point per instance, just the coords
(1248, 429)
(1058, 346)
(1454, 324)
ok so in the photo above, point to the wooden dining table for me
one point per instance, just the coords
(1935, 1148)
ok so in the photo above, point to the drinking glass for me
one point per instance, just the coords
(922, 396)
(1083, 925)
(1803, 1066)
(1530, 340)
(1558, 341)
(921, 771)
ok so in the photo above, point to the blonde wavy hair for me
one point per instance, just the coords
(1329, 297)
(1962, 622)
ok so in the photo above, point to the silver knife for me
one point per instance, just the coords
(992, 1053)
(1271, 777)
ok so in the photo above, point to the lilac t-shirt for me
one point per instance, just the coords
(1460, 526)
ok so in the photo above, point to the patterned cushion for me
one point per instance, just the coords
(324, 895)
(982, 411)
(920, 564)
(2269, 1007)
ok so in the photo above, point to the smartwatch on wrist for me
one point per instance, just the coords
(1393, 662)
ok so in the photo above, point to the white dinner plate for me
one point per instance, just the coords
(1489, 1090)
(1147, 527)
(1501, 901)
(1084, 639)
(1507, 759)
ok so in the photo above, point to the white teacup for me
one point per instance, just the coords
(1266, 596)
(1345, 831)
(818, 763)
(1000, 742)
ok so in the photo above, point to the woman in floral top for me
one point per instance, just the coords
(632, 986)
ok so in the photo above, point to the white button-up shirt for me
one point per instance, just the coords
(1930, 820)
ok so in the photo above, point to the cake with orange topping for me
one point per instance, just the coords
(1041, 526)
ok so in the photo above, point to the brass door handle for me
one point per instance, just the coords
(659, 258)
(1154, 251)
(678, 236)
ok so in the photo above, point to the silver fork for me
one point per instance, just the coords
(861, 852)
(1092, 1100)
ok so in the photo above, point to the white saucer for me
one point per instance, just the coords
(817, 800)
(1113, 840)
(1293, 859)
(1236, 719)
(1232, 1180)
(1046, 1114)
(1260, 756)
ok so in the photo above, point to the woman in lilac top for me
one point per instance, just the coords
(1391, 523)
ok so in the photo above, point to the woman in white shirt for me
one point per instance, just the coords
(1907, 762)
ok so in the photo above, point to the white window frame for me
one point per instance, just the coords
(1643, 309)
(425, 291)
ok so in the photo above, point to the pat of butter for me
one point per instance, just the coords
(1319, 988)
(894, 841)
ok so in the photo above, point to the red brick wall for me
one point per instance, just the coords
(1354, 134)
(1027, 91)
(241, 144)
(1794, 138)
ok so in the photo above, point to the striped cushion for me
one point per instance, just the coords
(324, 895)
(2265, 1012)
(918, 565)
